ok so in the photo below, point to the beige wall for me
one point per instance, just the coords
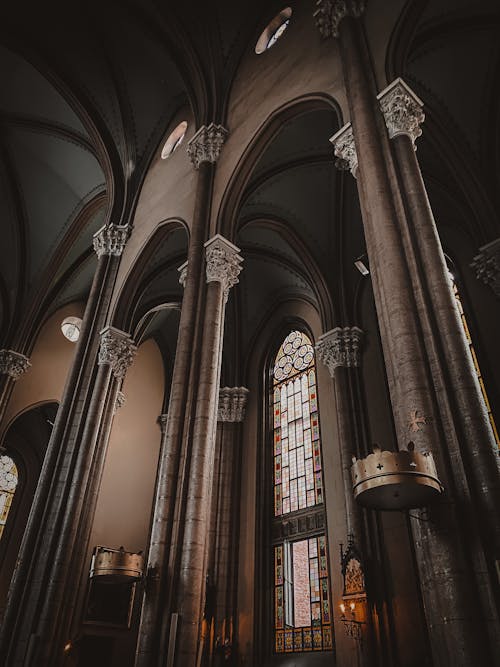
(51, 359)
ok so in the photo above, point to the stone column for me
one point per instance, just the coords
(204, 149)
(454, 615)
(447, 344)
(223, 265)
(19, 636)
(222, 561)
(12, 366)
(339, 350)
(487, 265)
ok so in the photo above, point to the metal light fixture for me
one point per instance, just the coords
(71, 327)
(354, 590)
(115, 565)
(352, 626)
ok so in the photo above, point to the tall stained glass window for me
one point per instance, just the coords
(8, 483)
(474, 356)
(301, 583)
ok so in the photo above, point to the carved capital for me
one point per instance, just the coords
(111, 239)
(345, 150)
(119, 402)
(206, 144)
(223, 263)
(340, 347)
(232, 404)
(117, 350)
(487, 265)
(402, 110)
(183, 269)
(330, 13)
(13, 363)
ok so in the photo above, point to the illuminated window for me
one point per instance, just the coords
(273, 31)
(174, 140)
(473, 355)
(301, 585)
(8, 483)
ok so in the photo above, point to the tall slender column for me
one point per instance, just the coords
(19, 636)
(204, 149)
(222, 561)
(223, 265)
(12, 366)
(402, 111)
(454, 615)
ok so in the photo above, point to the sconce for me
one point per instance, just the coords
(351, 624)
(354, 589)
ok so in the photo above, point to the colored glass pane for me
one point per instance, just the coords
(8, 484)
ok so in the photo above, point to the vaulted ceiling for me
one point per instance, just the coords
(87, 94)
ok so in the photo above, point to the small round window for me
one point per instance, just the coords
(274, 30)
(174, 140)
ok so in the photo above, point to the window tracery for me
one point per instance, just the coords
(301, 586)
(8, 484)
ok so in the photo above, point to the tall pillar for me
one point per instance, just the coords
(222, 561)
(447, 343)
(453, 612)
(204, 149)
(223, 265)
(20, 639)
(12, 366)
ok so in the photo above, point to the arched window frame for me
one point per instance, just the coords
(9, 485)
(308, 523)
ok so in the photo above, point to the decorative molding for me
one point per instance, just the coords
(13, 364)
(487, 265)
(232, 404)
(183, 269)
(340, 347)
(331, 12)
(345, 149)
(223, 263)
(162, 421)
(352, 570)
(117, 349)
(111, 240)
(206, 144)
(402, 110)
(119, 402)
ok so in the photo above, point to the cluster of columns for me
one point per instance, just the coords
(180, 554)
(429, 368)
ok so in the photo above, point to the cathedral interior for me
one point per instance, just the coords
(249, 321)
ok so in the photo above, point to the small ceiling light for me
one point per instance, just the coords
(174, 140)
(273, 31)
(70, 327)
(361, 266)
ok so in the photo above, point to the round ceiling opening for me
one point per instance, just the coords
(70, 327)
(274, 30)
(174, 140)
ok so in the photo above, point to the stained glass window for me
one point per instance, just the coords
(301, 600)
(8, 483)
(474, 357)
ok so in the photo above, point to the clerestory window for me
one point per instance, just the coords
(8, 484)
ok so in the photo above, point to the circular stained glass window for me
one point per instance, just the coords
(274, 30)
(174, 140)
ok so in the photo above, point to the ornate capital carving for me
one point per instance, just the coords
(111, 239)
(13, 363)
(340, 347)
(223, 262)
(402, 110)
(487, 265)
(331, 12)
(206, 144)
(232, 404)
(183, 269)
(117, 349)
(119, 402)
(345, 150)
